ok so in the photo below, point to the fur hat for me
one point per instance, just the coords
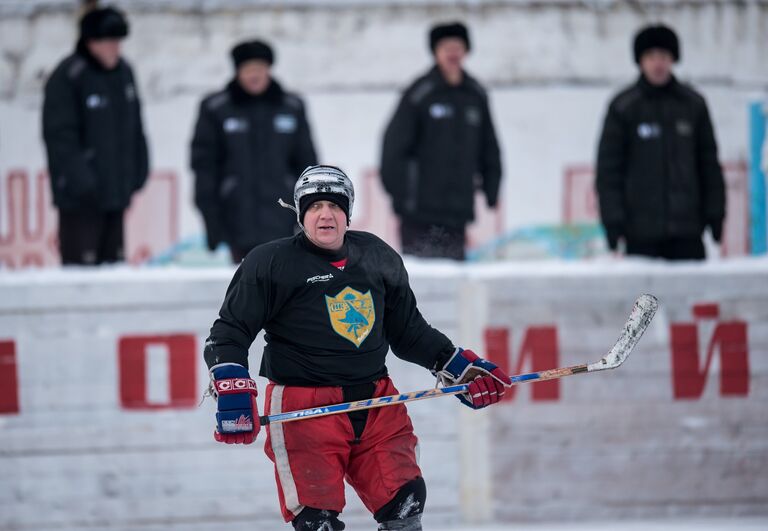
(656, 37)
(103, 23)
(443, 31)
(252, 50)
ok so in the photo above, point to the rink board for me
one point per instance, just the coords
(101, 377)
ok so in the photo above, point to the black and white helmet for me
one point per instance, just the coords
(323, 180)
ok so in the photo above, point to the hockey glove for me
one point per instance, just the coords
(213, 233)
(486, 381)
(613, 233)
(716, 228)
(237, 418)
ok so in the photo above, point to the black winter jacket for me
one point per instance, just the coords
(94, 137)
(439, 146)
(247, 152)
(658, 176)
(324, 326)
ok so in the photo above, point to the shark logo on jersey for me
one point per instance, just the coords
(352, 314)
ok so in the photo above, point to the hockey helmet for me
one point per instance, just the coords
(323, 180)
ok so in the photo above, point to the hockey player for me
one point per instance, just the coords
(332, 302)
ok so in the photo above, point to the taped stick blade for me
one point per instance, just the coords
(642, 313)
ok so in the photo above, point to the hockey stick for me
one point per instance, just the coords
(642, 313)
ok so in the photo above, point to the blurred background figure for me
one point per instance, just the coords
(439, 146)
(251, 142)
(658, 177)
(94, 138)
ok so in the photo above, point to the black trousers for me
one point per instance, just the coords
(430, 240)
(90, 237)
(669, 249)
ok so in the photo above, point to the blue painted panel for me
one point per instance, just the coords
(757, 198)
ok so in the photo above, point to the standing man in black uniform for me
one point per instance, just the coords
(658, 178)
(439, 147)
(251, 140)
(332, 303)
(97, 152)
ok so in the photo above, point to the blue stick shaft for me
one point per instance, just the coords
(346, 407)
(382, 401)
(642, 313)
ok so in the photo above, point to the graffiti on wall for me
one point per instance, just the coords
(29, 223)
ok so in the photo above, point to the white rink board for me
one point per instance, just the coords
(613, 445)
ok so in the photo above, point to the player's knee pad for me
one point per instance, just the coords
(311, 519)
(403, 512)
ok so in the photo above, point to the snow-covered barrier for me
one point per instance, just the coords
(101, 376)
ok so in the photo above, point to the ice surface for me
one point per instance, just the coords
(698, 524)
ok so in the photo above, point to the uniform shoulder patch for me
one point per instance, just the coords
(216, 100)
(420, 90)
(690, 93)
(292, 101)
(475, 85)
(76, 67)
(626, 98)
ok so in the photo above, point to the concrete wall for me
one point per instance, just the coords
(101, 374)
(551, 67)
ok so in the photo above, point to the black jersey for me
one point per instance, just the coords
(323, 325)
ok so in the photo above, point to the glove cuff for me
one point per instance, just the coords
(228, 370)
(231, 378)
(456, 367)
(229, 386)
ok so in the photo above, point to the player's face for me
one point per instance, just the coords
(325, 223)
(449, 54)
(656, 65)
(106, 51)
(254, 76)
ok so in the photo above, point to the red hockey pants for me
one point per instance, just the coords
(312, 457)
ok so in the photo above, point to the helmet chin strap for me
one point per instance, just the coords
(301, 225)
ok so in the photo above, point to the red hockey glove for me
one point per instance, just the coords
(237, 418)
(487, 381)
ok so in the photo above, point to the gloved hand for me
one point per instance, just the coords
(486, 381)
(716, 228)
(237, 418)
(613, 233)
(213, 233)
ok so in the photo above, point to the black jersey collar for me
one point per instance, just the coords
(330, 255)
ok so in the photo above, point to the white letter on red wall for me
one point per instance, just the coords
(135, 357)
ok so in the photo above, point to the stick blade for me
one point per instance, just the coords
(642, 313)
